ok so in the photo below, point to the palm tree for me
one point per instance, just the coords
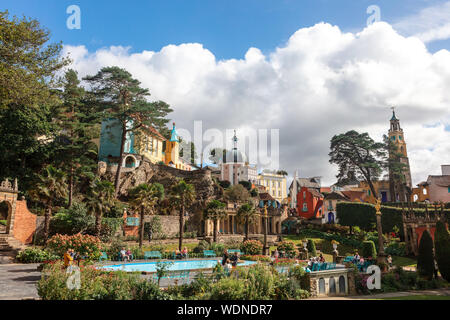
(215, 211)
(51, 186)
(246, 214)
(182, 195)
(144, 198)
(100, 200)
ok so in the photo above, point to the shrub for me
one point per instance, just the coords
(396, 248)
(227, 289)
(442, 248)
(311, 247)
(3, 222)
(288, 247)
(252, 247)
(368, 250)
(225, 184)
(71, 221)
(86, 246)
(425, 260)
(35, 255)
(260, 282)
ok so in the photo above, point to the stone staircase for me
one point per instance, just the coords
(9, 247)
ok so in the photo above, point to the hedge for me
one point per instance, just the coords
(312, 248)
(368, 250)
(442, 249)
(425, 260)
(363, 215)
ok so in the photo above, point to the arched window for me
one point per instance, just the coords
(130, 162)
(332, 285)
(342, 284)
(424, 191)
(321, 286)
(415, 198)
(305, 207)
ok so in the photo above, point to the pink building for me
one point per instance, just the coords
(439, 186)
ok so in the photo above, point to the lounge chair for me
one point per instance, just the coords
(232, 251)
(103, 257)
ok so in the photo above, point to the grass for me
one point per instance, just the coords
(418, 297)
(3, 222)
(404, 261)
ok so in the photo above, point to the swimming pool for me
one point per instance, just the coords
(176, 266)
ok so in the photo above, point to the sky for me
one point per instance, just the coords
(309, 69)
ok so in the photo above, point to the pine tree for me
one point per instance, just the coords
(122, 98)
(442, 248)
(425, 260)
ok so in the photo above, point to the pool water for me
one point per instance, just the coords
(176, 266)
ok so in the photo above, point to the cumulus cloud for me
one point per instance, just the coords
(320, 83)
(429, 24)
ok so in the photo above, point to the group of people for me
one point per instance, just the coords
(279, 254)
(230, 261)
(70, 256)
(126, 255)
(183, 254)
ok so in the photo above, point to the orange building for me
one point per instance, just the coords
(309, 203)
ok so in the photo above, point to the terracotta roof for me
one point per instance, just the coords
(336, 195)
(155, 132)
(325, 189)
(265, 196)
(354, 195)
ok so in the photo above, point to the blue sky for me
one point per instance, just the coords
(227, 28)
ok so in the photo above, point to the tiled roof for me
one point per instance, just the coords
(265, 196)
(155, 132)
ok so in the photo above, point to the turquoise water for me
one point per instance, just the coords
(176, 266)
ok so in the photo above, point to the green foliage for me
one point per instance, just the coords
(311, 248)
(288, 248)
(28, 64)
(35, 255)
(237, 193)
(442, 247)
(368, 250)
(425, 259)
(396, 248)
(247, 185)
(73, 220)
(227, 289)
(252, 247)
(225, 184)
(3, 222)
(162, 269)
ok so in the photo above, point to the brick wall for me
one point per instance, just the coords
(24, 223)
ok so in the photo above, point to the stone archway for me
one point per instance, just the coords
(8, 194)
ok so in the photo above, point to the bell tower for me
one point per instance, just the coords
(397, 137)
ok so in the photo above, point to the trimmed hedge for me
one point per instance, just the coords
(425, 260)
(442, 248)
(311, 248)
(363, 215)
(368, 249)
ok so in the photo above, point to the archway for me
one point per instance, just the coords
(342, 284)
(5, 216)
(8, 196)
(321, 286)
(130, 162)
(330, 217)
(332, 285)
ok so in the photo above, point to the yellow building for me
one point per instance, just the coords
(274, 183)
(172, 152)
(150, 144)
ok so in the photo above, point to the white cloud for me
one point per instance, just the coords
(320, 83)
(429, 24)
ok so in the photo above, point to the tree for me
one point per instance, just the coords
(237, 193)
(282, 172)
(425, 260)
(115, 91)
(182, 195)
(442, 248)
(28, 63)
(100, 200)
(215, 211)
(358, 153)
(144, 198)
(50, 188)
(77, 121)
(247, 214)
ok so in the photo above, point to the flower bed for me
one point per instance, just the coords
(259, 257)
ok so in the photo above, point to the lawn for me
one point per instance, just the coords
(404, 261)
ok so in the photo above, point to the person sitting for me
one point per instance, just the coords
(123, 255)
(184, 253)
(321, 258)
(129, 255)
(234, 259)
(178, 254)
(225, 257)
(356, 258)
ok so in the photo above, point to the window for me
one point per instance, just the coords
(448, 190)
(400, 138)
(424, 191)
(304, 195)
(305, 207)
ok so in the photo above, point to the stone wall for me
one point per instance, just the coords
(24, 224)
(170, 225)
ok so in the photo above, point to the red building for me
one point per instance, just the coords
(309, 203)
